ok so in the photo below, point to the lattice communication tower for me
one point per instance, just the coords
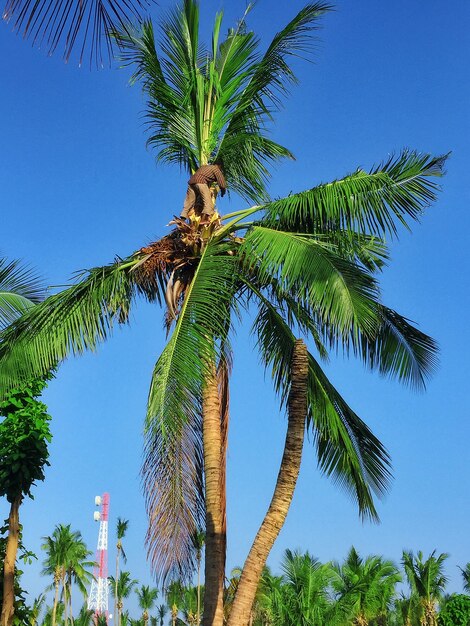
(98, 598)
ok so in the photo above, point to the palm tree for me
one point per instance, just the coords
(85, 617)
(427, 582)
(199, 539)
(466, 577)
(309, 261)
(162, 610)
(147, 597)
(305, 591)
(121, 589)
(365, 587)
(174, 598)
(121, 529)
(36, 609)
(79, 570)
(66, 562)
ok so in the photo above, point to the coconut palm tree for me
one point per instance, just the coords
(147, 597)
(427, 582)
(305, 590)
(121, 529)
(307, 262)
(36, 609)
(199, 539)
(162, 610)
(174, 597)
(65, 561)
(121, 589)
(79, 570)
(365, 587)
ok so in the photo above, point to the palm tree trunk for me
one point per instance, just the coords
(8, 608)
(283, 492)
(56, 599)
(198, 614)
(116, 611)
(215, 518)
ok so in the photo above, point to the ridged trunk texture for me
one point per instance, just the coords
(215, 516)
(283, 492)
(8, 608)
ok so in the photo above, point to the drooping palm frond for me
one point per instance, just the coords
(346, 448)
(342, 294)
(20, 289)
(173, 456)
(366, 202)
(85, 25)
(67, 323)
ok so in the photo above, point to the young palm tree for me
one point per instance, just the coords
(307, 262)
(305, 599)
(121, 589)
(365, 587)
(147, 597)
(36, 609)
(162, 610)
(427, 582)
(121, 529)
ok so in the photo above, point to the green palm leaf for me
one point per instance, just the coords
(68, 323)
(20, 289)
(365, 202)
(173, 455)
(346, 448)
(339, 292)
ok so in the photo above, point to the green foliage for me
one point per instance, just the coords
(24, 437)
(456, 612)
(20, 289)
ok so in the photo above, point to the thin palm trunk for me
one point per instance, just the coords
(8, 608)
(116, 600)
(56, 598)
(198, 616)
(283, 492)
(215, 518)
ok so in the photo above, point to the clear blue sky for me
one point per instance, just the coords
(79, 187)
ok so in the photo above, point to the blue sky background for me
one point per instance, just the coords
(79, 187)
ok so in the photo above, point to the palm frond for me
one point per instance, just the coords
(67, 323)
(339, 292)
(371, 203)
(20, 289)
(346, 448)
(173, 456)
(86, 26)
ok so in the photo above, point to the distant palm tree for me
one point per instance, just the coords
(427, 582)
(121, 589)
(365, 587)
(147, 597)
(305, 589)
(121, 529)
(174, 598)
(65, 561)
(199, 539)
(162, 610)
(466, 577)
(85, 617)
(36, 609)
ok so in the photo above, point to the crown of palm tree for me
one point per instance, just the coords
(20, 289)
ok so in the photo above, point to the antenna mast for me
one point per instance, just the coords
(98, 598)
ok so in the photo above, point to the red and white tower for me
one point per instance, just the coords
(98, 598)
